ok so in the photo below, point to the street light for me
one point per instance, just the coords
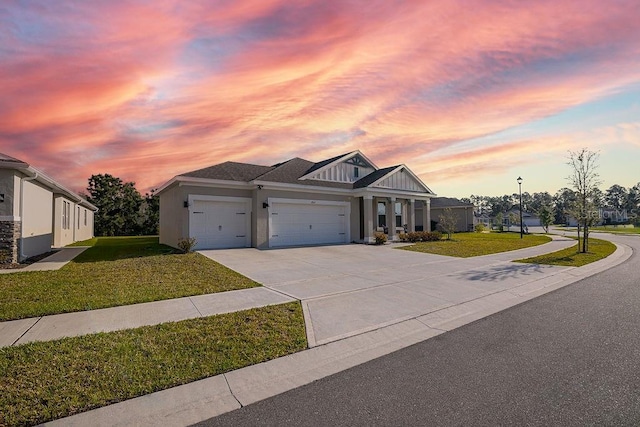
(520, 191)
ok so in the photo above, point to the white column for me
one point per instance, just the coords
(426, 214)
(411, 221)
(391, 218)
(367, 203)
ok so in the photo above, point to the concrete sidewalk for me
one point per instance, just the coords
(203, 399)
(53, 262)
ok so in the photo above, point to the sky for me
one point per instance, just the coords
(468, 94)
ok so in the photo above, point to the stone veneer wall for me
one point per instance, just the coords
(9, 238)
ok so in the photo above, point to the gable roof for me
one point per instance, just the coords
(11, 162)
(293, 171)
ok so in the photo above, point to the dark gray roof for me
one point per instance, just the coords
(367, 180)
(448, 202)
(6, 160)
(323, 163)
(230, 171)
(291, 170)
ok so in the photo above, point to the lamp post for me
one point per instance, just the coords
(520, 191)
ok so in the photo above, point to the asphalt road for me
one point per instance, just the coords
(571, 357)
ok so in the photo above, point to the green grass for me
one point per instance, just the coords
(466, 245)
(598, 249)
(43, 381)
(115, 271)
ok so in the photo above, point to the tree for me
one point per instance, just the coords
(546, 217)
(538, 200)
(150, 213)
(563, 202)
(118, 205)
(513, 219)
(585, 181)
(499, 221)
(448, 222)
(616, 197)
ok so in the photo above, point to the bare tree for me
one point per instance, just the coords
(585, 180)
(448, 222)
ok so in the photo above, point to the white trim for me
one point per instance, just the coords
(204, 182)
(303, 188)
(340, 160)
(387, 192)
(346, 205)
(200, 197)
(10, 218)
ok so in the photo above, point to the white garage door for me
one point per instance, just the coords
(220, 224)
(307, 223)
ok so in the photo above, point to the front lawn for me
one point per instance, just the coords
(115, 271)
(466, 245)
(42, 381)
(598, 249)
(615, 229)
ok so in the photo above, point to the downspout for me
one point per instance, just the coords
(22, 180)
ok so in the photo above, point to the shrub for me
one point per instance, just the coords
(431, 236)
(413, 236)
(403, 237)
(381, 238)
(479, 228)
(186, 245)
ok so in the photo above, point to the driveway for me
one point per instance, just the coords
(350, 289)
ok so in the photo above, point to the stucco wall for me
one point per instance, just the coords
(37, 227)
(84, 230)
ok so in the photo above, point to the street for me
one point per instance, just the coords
(570, 357)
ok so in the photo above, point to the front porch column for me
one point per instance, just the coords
(391, 218)
(367, 204)
(426, 215)
(411, 221)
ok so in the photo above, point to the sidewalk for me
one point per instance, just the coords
(53, 262)
(345, 326)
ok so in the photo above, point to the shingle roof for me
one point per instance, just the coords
(11, 161)
(365, 181)
(230, 171)
(323, 163)
(448, 202)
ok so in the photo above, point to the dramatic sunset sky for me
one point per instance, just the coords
(468, 94)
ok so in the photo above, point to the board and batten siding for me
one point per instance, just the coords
(400, 181)
(343, 172)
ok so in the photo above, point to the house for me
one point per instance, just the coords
(37, 212)
(462, 211)
(298, 202)
(529, 219)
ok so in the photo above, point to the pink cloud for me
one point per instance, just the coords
(148, 91)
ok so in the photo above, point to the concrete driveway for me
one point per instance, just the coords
(350, 289)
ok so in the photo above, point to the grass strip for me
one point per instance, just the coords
(44, 381)
(598, 249)
(114, 272)
(466, 245)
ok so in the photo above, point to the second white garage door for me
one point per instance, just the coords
(307, 223)
(221, 223)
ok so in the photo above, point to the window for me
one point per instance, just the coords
(356, 172)
(398, 212)
(66, 215)
(85, 217)
(78, 217)
(382, 214)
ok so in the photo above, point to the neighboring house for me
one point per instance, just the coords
(38, 213)
(529, 219)
(339, 200)
(463, 212)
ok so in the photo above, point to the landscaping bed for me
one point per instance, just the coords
(466, 245)
(598, 249)
(115, 271)
(42, 381)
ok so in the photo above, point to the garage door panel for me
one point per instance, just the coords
(307, 223)
(220, 224)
